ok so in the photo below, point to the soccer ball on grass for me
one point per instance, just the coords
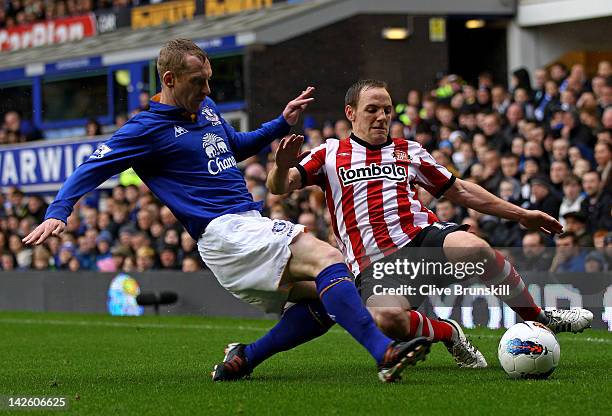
(529, 350)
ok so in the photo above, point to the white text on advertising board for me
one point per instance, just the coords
(48, 32)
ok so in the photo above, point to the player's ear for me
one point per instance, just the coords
(349, 112)
(168, 79)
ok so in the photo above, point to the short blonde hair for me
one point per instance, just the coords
(172, 56)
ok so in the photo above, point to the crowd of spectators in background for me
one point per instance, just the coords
(126, 230)
(22, 12)
(544, 144)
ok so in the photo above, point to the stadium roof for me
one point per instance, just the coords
(265, 26)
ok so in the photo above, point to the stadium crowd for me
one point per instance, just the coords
(544, 144)
(22, 12)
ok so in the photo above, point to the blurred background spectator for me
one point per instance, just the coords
(545, 142)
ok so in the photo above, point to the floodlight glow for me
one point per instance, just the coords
(395, 33)
(474, 23)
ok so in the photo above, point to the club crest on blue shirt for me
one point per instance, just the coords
(213, 145)
(211, 116)
(282, 227)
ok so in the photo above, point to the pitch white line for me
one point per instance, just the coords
(577, 338)
(126, 324)
(134, 325)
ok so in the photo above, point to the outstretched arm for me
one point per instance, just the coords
(113, 156)
(284, 176)
(473, 196)
(246, 144)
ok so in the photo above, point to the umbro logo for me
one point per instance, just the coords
(344, 154)
(179, 131)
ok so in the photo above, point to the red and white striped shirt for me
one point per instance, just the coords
(371, 195)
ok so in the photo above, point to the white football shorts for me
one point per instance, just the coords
(248, 254)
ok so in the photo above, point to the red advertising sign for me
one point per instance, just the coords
(48, 32)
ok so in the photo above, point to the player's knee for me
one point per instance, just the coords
(393, 322)
(468, 247)
(327, 256)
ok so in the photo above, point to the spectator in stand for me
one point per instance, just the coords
(119, 254)
(446, 211)
(168, 258)
(559, 171)
(568, 256)
(93, 128)
(520, 79)
(577, 133)
(74, 265)
(581, 167)
(104, 261)
(572, 197)
(560, 148)
(120, 120)
(66, 253)
(539, 82)
(514, 115)
(603, 157)
(466, 128)
(9, 261)
(492, 130)
(190, 264)
(36, 208)
(145, 259)
(21, 130)
(342, 129)
(549, 103)
(558, 72)
(492, 174)
(41, 259)
(596, 205)
(22, 254)
(576, 80)
(542, 198)
(86, 252)
(575, 222)
(143, 100)
(509, 191)
(16, 204)
(535, 256)
(595, 262)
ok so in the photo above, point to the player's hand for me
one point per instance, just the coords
(538, 220)
(49, 227)
(296, 107)
(287, 153)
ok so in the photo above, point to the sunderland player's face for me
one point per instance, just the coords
(372, 117)
(192, 86)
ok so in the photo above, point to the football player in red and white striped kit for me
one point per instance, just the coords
(369, 181)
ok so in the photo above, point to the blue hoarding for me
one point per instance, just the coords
(44, 166)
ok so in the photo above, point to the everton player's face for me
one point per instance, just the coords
(372, 117)
(191, 87)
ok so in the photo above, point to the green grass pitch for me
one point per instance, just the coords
(160, 366)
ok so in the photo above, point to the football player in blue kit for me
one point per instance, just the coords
(187, 154)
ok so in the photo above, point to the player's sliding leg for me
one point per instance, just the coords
(300, 323)
(394, 316)
(463, 246)
(314, 258)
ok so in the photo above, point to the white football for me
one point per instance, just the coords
(529, 350)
